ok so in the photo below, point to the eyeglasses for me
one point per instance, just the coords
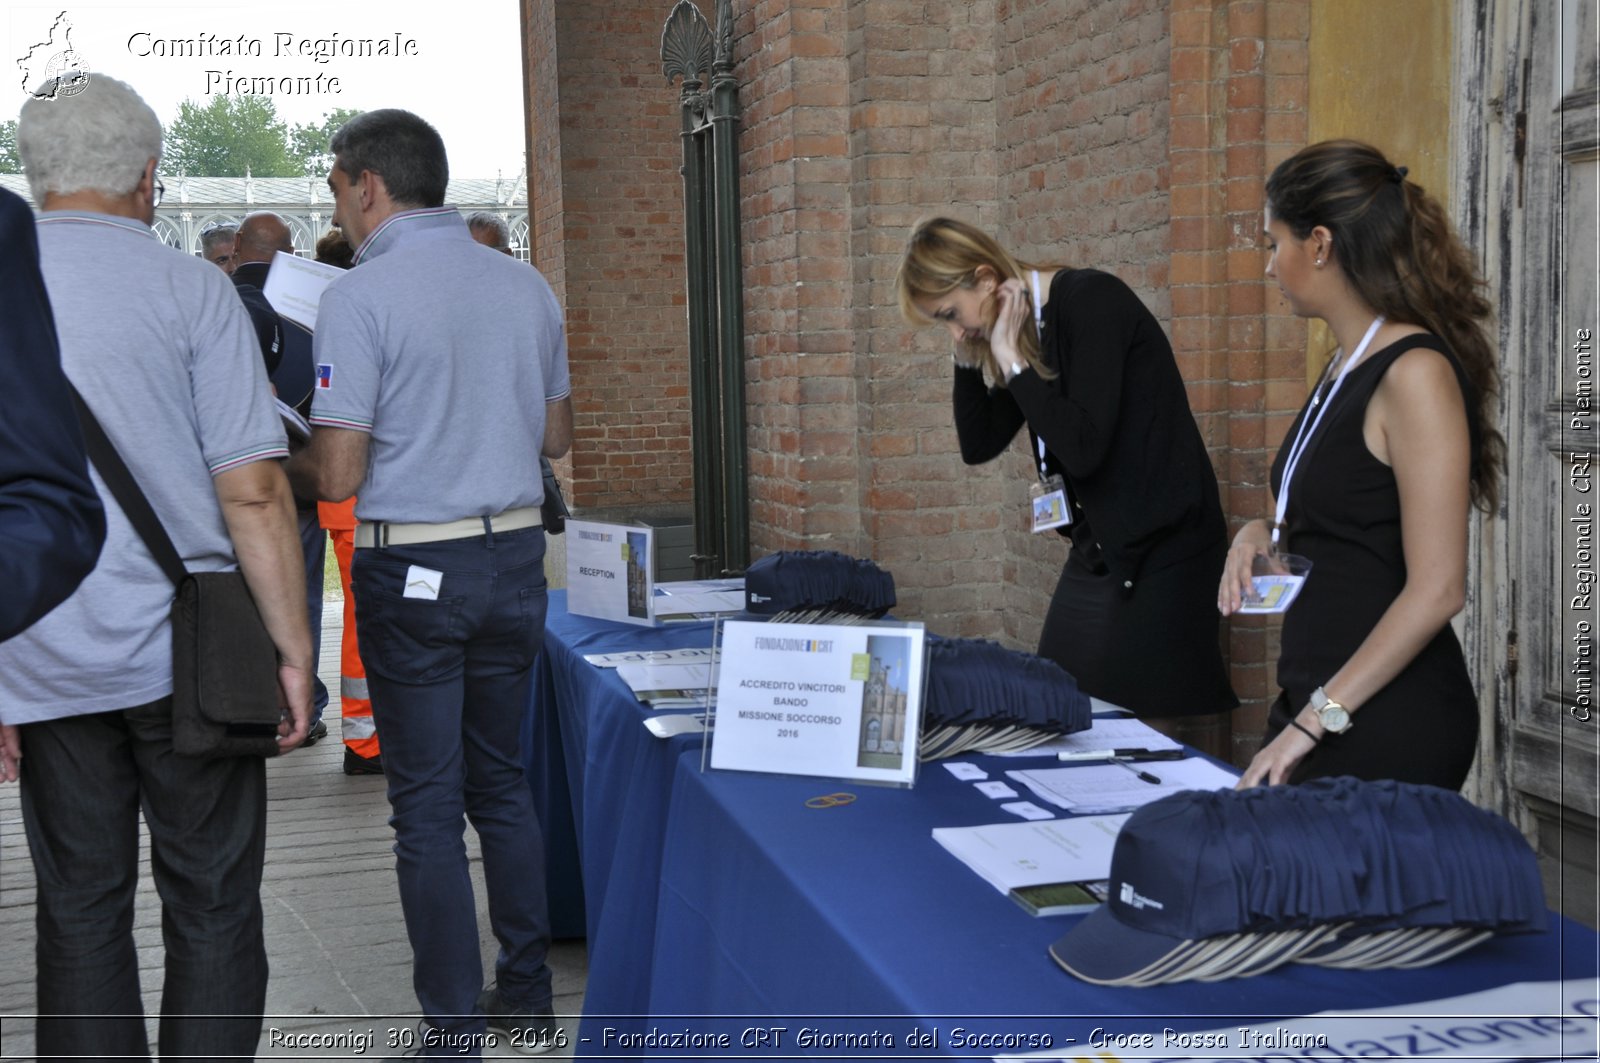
(161, 190)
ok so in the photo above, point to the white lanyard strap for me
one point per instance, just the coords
(1038, 321)
(1303, 436)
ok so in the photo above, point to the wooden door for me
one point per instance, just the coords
(1526, 192)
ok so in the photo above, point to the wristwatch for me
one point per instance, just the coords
(1334, 717)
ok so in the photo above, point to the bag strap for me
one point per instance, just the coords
(125, 489)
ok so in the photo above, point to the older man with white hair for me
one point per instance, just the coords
(217, 245)
(162, 352)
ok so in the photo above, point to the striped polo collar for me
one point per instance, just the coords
(396, 227)
(89, 217)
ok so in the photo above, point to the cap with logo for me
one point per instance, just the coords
(1339, 872)
(826, 580)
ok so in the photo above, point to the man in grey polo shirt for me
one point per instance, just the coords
(161, 350)
(442, 376)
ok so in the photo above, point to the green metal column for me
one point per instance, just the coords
(686, 50)
(705, 390)
(715, 282)
(730, 295)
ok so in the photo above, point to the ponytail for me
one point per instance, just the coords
(1396, 246)
(1441, 282)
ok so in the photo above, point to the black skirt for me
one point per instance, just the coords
(1154, 648)
(1420, 728)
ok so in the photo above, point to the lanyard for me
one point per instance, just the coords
(1303, 436)
(1038, 321)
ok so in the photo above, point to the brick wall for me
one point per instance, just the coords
(923, 141)
(863, 117)
(1238, 107)
(800, 378)
(1130, 135)
(1082, 117)
(608, 221)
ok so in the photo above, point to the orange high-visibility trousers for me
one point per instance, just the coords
(359, 730)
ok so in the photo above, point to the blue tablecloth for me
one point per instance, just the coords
(770, 908)
(603, 784)
(721, 893)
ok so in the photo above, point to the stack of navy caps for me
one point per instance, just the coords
(1337, 872)
(984, 698)
(821, 580)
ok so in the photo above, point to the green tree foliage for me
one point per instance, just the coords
(228, 137)
(10, 162)
(309, 142)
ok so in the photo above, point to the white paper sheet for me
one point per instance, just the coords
(1008, 855)
(1118, 786)
(294, 286)
(688, 654)
(674, 676)
(1106, 733)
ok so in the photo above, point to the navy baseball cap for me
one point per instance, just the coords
(1173, 885)
(817, 579)
(1224, 884)
(987, 696)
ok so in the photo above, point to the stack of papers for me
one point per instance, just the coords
(699, 599)
(687, 655)
(1106, 733)
(1015, 856)
(665, 679)
(1119, 786)
(669, 686)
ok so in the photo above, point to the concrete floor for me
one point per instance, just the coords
(335, 938)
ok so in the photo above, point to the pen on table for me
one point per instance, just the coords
(1146, 776)
(1130, 754)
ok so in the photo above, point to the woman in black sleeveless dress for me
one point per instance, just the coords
(1376, 479)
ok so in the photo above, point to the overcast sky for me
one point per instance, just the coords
(461, 67)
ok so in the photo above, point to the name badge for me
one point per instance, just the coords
(1049, 499)
(1275, 582)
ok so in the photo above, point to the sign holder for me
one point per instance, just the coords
(611, 571)
(840, 701)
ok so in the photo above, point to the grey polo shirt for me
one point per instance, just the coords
(446, 351)
(161, 349)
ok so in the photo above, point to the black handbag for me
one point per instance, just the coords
(553, 512)
(224, 663)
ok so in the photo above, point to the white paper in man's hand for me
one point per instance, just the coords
(294, 286)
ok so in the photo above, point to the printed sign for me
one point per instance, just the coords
(840, 701)
(611, 571)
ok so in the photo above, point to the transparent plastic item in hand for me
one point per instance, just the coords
(1275, 581)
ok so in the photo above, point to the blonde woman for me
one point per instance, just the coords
(1121, 471)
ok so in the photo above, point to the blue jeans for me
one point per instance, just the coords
(450, 680)
(314, 542)
(85, 780)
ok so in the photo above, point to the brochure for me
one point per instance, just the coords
(1062, 898)
(1012, 856)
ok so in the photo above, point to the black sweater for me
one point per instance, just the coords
(1115, 422)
